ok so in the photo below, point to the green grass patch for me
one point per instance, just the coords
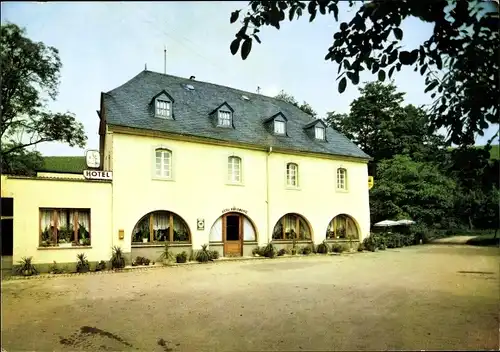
(484, 240)
(64, 164)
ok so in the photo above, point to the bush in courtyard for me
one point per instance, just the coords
(117, 259)
(166, 255)
(361, 247)
(369, 243)
(55, 269)
(82, 264)
(336, 248)
(139, 260)
(214, 255)
(306, 250)
(203, 256)
(181, 257)
(256, 251)
(270, 251)
(26, 268)
(323, 248)
(281, 252)
(101, 266)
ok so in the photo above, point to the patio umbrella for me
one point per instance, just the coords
(386, 223)
(405, 222)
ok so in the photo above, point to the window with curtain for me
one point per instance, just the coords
(224, 118)
(342, 227)
(342, 179)
(234, 169)
(163, 108)
(292, 175)
(163, 163)
(64, 227)
(279, 127)
(292, 226)
(161, 226)
(319, 132)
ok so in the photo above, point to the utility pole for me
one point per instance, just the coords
(165, 60)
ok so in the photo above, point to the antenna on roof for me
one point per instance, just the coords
(145, 67)
(165, 60)
(258, 90)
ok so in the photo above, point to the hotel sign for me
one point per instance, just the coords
(98, 175)
(234, 209)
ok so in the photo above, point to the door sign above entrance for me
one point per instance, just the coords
(234, 209)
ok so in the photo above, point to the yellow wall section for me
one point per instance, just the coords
(31, 194)
(199, 187)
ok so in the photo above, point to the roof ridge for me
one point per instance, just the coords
(219, 85)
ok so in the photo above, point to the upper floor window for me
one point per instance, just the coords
(342, 179)
(163, 163)
(224, 118)
(234, 169)
(279, 127)
(163, 108)
(292, 174)
(319, 132)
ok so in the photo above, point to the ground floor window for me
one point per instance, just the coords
(342, 227)
(291, 226)
(64, 227)
(161, 226)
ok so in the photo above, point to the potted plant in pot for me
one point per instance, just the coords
(145, 236)
(64, 235)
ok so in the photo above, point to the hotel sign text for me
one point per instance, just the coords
(97, 175)
(234, 209)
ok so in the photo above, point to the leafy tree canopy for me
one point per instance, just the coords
(29, 72)
(407, 188)
(459, 60)
(382, 127)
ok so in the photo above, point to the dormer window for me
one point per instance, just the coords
(162, 105)
(224, 118)
(163, 108)
(279, 127)
(316, 129)
(319, 132)
(276, 124)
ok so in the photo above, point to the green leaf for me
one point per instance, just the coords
(257, 38)
(423, 69)
(234, 16)
(342, 85)
(343, 26)
(405, 58)
(235, 45)
(354, 77)
(292, 13)
(431, 86)
(329, 56)
(246, 48)
(439, 62)
(282, 5)
(333, 7)
(398, 33)
(391, 71)
(381, 75)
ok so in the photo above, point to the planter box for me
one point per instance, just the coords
(65, 245)
(144, 240)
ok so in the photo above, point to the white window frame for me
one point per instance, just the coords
(224, 118)
(163, 108)
(319, 132)
(292, 169)
(341, 179)
(279, 130)
(234, 170)
(163, 163)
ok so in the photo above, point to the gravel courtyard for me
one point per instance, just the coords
(420, 298)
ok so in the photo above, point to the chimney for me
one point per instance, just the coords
(192, 78)
(165, 60)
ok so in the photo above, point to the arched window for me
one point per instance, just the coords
(161, 226)
(292, 175)
(163, 159)
(341, 178)
(342, 227)
(234, 169)
(291, 226)
(217, 231)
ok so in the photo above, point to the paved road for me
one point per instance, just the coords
(422, 297)
(453, 240)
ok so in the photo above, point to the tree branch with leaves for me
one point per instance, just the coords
(459, 60)
(29, 76)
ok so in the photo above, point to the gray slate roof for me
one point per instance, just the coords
(129, 105)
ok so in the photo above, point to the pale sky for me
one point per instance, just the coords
(103, 45)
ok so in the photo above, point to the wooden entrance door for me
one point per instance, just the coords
(232, 234)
